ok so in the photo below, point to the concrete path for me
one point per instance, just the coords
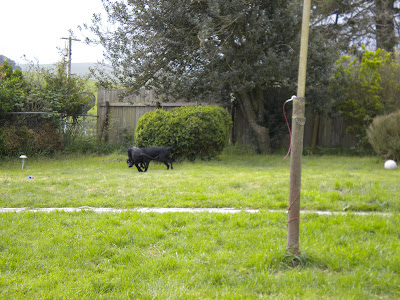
(225, 210)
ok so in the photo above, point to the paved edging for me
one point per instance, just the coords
(225, 210)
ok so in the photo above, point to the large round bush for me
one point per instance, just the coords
(384, 135)
(201, 131)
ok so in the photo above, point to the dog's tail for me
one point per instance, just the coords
(173, 145)
(148, 156)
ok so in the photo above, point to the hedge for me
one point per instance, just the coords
(201, 131)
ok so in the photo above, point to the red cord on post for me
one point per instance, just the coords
(291, 204)
(287, 123)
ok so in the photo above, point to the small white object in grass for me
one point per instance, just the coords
(22, 157)
(390, 165)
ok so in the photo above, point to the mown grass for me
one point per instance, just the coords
(253, 181)
(130, 255)
(196, 256)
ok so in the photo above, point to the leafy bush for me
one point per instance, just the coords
(365, 88)
(39, 90)
(201, 131)
(15, 140)
(154, 129)
(12, 88)
(384, 135)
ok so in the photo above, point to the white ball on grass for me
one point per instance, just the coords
(390, 165)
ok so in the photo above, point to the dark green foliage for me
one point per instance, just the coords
(365, 88)
(201, 132)
(352, 23)
(154, 129)
(64, 94)
(384, 135)
(17, 139)
(50, 90)
(40, 90)
(222, 50)
(12, 88)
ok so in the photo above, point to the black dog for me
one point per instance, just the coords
(138, 158)
(161, 153)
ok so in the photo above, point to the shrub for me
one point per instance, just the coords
(201, 131)
(384, 135)
(47, 139)
(365, 88)
(15, 140)
(12, 88)
(154, 128)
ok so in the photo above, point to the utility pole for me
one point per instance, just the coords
(70, 39)
(298, 121)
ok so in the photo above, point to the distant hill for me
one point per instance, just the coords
(80, 69)
(5, 58)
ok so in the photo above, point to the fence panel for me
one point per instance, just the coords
(125, 111)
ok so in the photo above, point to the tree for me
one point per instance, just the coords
(365, 88)
(385, 14)
(50, 90)
(205, 49)
(356, 22)
(12, 88)
(4, 59)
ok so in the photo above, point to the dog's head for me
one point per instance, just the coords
(130, 163)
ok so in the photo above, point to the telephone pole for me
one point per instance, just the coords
(70, 39)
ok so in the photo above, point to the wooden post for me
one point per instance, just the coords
(298, 122)
(104, 121)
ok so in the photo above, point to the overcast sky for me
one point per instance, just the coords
(35, 27)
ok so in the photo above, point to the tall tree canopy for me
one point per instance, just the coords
(355, 22)
(209, 48)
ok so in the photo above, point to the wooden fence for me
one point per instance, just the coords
(118, 116)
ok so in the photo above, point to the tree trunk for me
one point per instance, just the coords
(315, 133)
(384, 22)
(233, 117)
(261, 132)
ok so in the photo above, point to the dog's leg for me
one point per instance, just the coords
(138, 168)
(169, 160)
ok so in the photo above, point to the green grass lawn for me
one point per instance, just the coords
(254, 181)
(131, 255)
(196, 256)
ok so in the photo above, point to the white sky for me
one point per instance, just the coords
(35, 27)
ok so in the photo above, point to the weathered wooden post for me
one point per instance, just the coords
(298, 121)
(104, 123)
